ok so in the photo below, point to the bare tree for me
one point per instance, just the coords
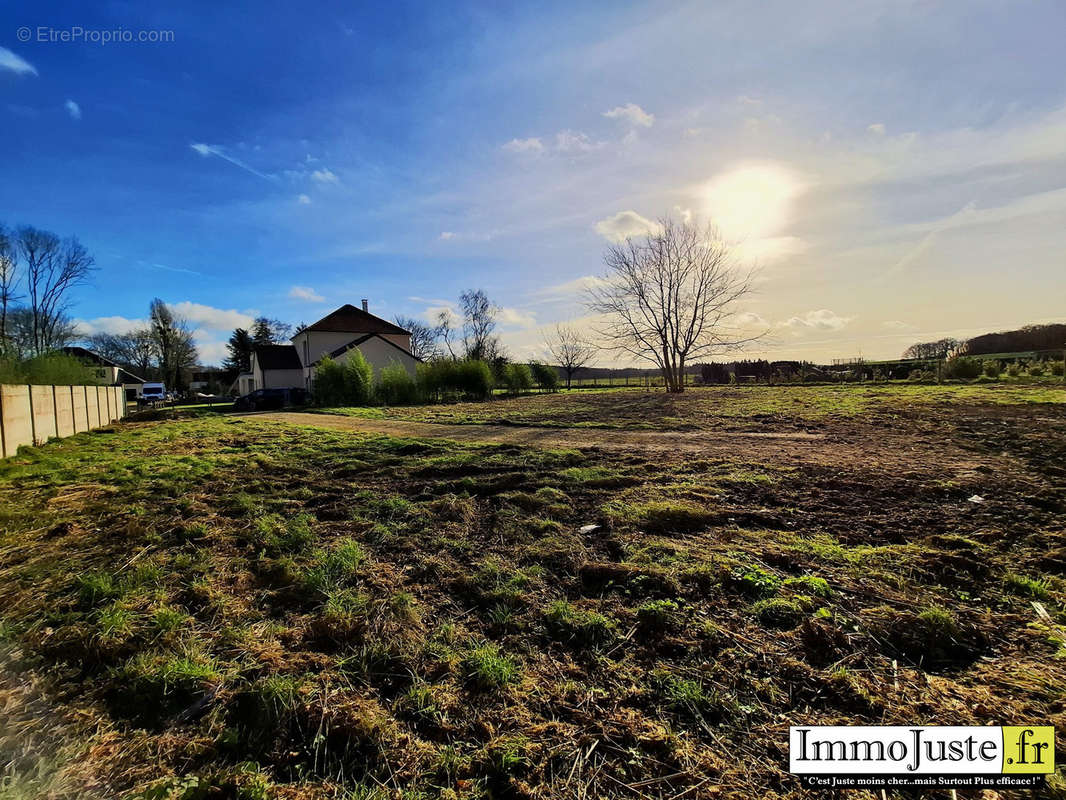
(172, 342)
(669, 296)
(423, 336)
(443, 331)
(9, 278)
(479, 322)
(134, 350)
(53, 268)
(569, 349)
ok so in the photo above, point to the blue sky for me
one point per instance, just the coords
(896, 170)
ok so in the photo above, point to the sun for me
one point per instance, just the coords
(753, 201)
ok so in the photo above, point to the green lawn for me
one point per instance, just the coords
(230, 607)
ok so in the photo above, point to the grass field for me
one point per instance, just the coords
(719, 407)
(233, 607)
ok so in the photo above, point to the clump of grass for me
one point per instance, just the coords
(421, 702)
(684, 695)
(486, 668)
(777, 612)
(334, 567)
(279, 536)
(152, 684)
(343, 614)
(660, 516)
(113, 622)
(583, 628)
(507, 755)
(819, 587)
(96, 587)
(1024, 586)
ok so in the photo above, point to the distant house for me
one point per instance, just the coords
(336, 335)
(108, 372)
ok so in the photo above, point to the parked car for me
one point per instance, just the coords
(153, 392)
(265, 399)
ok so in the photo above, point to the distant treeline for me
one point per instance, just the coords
(1031, 337)
(1023, 340)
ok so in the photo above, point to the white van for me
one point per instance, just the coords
(153, 392)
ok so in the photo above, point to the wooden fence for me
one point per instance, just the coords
(34, 414)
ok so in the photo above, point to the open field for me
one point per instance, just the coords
(240, 606)
(737, 408)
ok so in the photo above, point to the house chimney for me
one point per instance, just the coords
(365, 306)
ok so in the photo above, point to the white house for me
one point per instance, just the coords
(336, 335)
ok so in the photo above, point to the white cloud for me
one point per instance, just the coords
(530, 145)
(569, 141)
(324, 176)
(516, 317)
(877, 129)
(73, 109)
(631, 113)
(206, 150)
(747, 100)
(16, 64)
(625, 224)
(750, 319)
(305, 293)
(216, 319)
(303, 199)
(446, 235)
(117, 325)
(821, 320)
(575, 288)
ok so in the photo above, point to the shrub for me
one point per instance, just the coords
(518, 378)
(1014, 369)
(1036, 369)
(329, 383)
(963, 368)
(474, 379)
(395, 387)
(1057, 368)
(358, 379)
(545, 376)
(993, 369)
(58, 369)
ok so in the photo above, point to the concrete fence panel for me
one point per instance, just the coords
(81, 421)
(64, 405)
(16, 417)
(44, 413)
(33, 414)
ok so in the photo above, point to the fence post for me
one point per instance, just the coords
(3, 435)
(55, 411)
(33, 416)
(85, 394)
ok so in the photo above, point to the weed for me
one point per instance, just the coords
(96, 587)
(755, 581)
(660, 517)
